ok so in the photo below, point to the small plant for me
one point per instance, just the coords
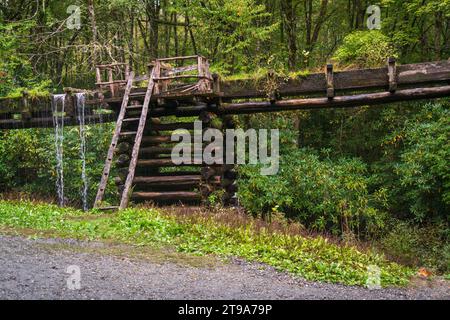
(215, 198)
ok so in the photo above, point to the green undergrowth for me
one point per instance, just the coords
(314, 258)
(262, 73)
(39, 91)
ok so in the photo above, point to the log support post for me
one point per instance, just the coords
(70, 104)
(273, 94)
(330, 81)
(26, 112)
(229, 172)
(208, 172)
(216, 83)
(112, 87)
(392, 75)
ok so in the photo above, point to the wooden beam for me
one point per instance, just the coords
(350, 80)
(47, 122)
(167, 196)
(337, 102)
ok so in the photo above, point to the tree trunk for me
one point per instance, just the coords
(288, 9)
(91, 11)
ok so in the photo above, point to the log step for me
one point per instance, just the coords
(174, 180)
(173, 126)
(155, 150)
(166, 151)
(137, 107)
(128, 134)
(159, 140)
(163, 162)
(167, 196)
(168, 181)
(131, 120)
(112, 208)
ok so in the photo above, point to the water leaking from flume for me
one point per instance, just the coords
(81, 112)
(58, 125)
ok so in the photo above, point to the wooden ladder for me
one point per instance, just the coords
(137, 141)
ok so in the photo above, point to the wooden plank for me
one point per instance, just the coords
(112, 147)
(181, 70)
(182, 76)
(104, 66)
(177, 58)
(137, 143)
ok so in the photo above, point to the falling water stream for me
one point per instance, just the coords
(81, 120)
(58, 124)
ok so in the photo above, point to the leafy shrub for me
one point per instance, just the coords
(321, 194)
(365, 49)
(426, 246)
(423, 170)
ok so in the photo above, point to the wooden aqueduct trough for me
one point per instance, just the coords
(176, 91)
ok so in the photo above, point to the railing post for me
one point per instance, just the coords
(26, 113)
(392, 74)
(330, 81)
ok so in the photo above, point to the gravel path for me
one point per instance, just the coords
(36, 269)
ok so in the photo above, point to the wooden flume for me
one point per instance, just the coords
(142, 145)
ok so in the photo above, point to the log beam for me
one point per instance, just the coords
(336, 102)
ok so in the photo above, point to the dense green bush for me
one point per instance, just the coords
(423, 171)
(321, 194)
(365, 49)
(401, 169)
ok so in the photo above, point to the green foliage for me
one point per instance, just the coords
(322, 194)
(423, 170)
(22, 157)
(365, 49)
(28, 161)
(419, 246)
(231, 29)
(410, 38)
(311, 258)
(16, 74)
